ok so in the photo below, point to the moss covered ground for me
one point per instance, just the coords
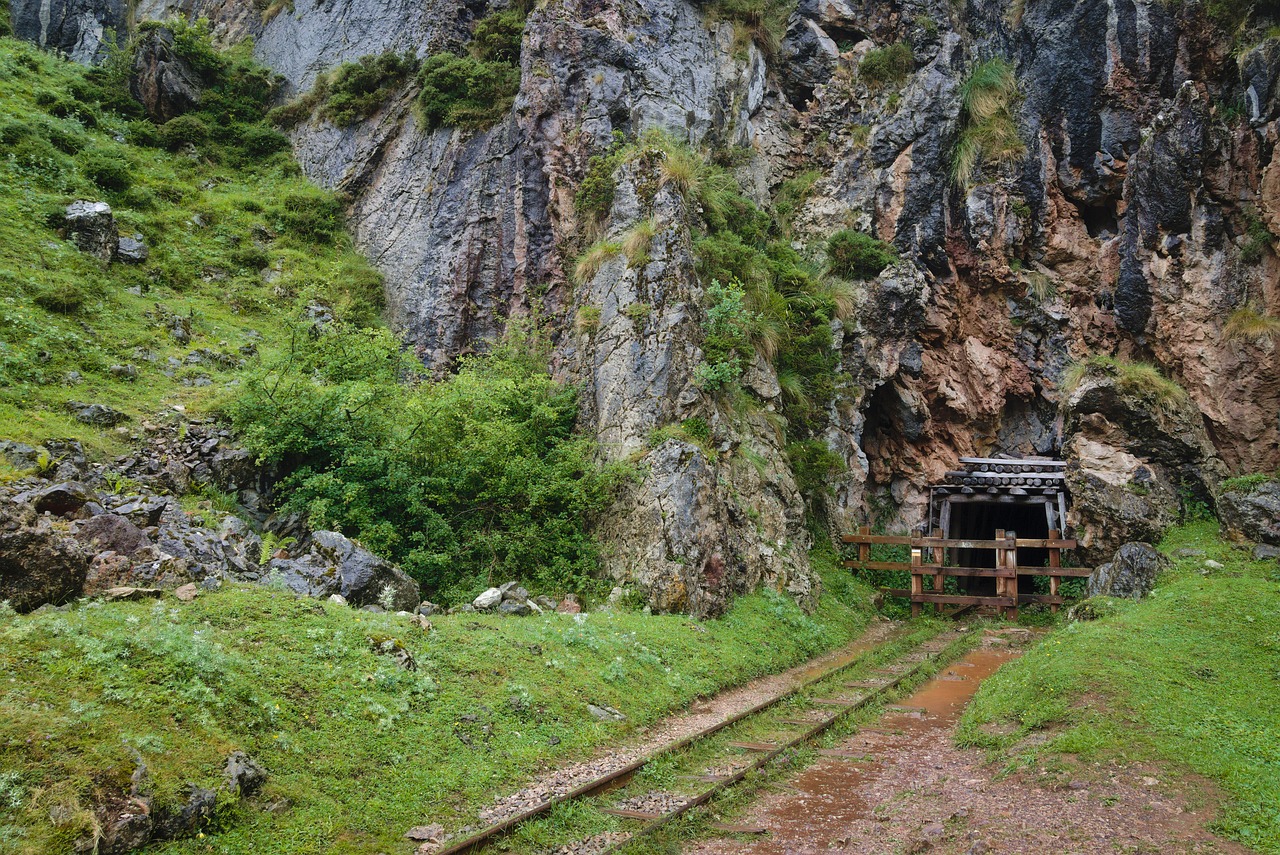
(358, 749)
(1188, 678)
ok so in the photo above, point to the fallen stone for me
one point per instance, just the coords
(243, 775)
(99, 415)
(515, 593)
(1252, 512)
(186, 593)
(545, 603)
(92, 228)
(430, 833)
(38, 563)
(131, 593)
(488, 600)
(1213, 565)
(605, 713)
(569, 606)
(1131, 572)
(114, 533)
(514, 607)
(338, 599)
(1263, 552)
(132, 250)
(61, 499)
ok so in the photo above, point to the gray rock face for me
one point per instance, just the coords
(1131, 572)
(75, 28)
(92, 227)
(337, 565)
(1130, 452)
(165, 83)
(39, 562)
(1252, 513)
(96, 414)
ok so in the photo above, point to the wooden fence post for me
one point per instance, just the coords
(917, 582)
(1055, 560)
(935, 557)
(864, 549)
(1011, 581)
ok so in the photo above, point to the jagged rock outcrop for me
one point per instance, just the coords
(1252, 512)
(1133, 222)
(334, 564)
(162, 81)
(39, 561)
(78, 29)
(1136, 453)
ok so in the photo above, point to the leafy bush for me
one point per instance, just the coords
(462, 91)
(989, 132)
(594, 198)
(1257, 238)
(813, 464)
(182, 131)
(887, 64)
(854, 255)
(725, 335)
(497, 37)
(311, 215)
(476, 479)
(109, 169)
(356, 90)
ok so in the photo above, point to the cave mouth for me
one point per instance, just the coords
(980, 521)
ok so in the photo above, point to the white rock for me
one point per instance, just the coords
(338, 598)
(488, 599)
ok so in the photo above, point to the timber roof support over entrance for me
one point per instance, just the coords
(970, 538)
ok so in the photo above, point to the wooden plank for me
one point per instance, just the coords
(1021, 570)
(803, 722)
(1005, 498)
(1051, 599)
(882, 565)
(864, 550)
(1055, 562)
(837, 702)
(1030, 461)
(917, 582)
(932, 542)
(963, 599)
(730, 828)
(1054, 571)
(632, 814)
(754, 746)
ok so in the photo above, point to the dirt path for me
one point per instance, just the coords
(921, 794)
(700, 715)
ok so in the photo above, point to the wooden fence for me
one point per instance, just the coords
(929, 559)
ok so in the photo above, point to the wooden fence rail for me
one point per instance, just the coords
(929, 560)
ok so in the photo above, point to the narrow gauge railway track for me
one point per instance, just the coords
(884, 680)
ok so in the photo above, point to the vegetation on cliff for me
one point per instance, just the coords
(236, 239)
(1179, 677)
(465, 483)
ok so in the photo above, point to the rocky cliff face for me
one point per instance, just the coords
(1133, 214)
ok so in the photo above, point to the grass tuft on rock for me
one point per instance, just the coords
(1248, 324)
(989, 129)
(1138, 378)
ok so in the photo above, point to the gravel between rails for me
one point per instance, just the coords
(700, 715)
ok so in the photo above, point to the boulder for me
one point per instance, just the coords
(1136, 452)
(488, 599)
(1252, 512)
(161, 80)
(1130, 573)
(99, 415)
(39, 564)
(514, 607)
(335, 564)
(132, 250)
(78, 29)
(569, 605)
(112, 532)
(243, 775)
(427, 608)
(92, 228)
(62, 499)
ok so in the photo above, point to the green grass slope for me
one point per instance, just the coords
(1189, 677)
(358, 750)
(239, 241)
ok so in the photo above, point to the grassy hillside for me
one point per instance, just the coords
(1188, 677)
(358, 750)
(239, 242)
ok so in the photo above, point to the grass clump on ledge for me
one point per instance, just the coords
(1138, 378)
(1248, 483)
(759, 22)
(889, 64)
(855, 255)
(989, 130)
(1185, 677)
(1248, 323)
(357, 748)
(475, 89)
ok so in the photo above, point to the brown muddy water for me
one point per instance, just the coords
(825, 802)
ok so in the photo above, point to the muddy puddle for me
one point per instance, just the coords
(823, 802)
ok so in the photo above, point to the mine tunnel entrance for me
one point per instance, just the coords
(1027, 497)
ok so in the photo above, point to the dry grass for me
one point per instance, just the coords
(990, 131)
(635, 244)
(590, 262)
(1248, 324)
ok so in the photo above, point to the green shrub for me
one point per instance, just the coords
(462, 91)
(1257, 238)
(594, 198)
(497, 37)
(311, 215)
(109, 169)
(989, 130)
(476, 479)
(813, 464)
(724, 335)
(854, 255)
(183, 131)
(1249, 483)
(356, 90)
(888, 64)
(260, 141)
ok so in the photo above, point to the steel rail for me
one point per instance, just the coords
(485, 836)
(804, 738)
